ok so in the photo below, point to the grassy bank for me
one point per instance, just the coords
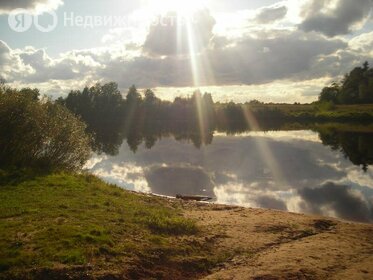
(66, 226)
(61, 224)
(320, 112)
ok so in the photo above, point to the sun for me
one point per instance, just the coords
(184, 8)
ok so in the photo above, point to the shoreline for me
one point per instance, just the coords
(272, 244)
(67, 226)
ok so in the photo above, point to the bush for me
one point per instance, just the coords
(40, 134)
(326, 106)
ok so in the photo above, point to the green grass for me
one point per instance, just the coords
(321, 112)
(68, 220)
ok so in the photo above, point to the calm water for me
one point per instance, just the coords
(298, 171)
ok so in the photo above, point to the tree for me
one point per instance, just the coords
(365, 66)
(41, 135)
(133, 96)
(150, 97)
(330, 94)
(32, 93)
(102, 109)
(354, 88)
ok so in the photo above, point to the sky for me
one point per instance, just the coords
(239, 50)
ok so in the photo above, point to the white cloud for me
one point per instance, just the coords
(363, 44)
(7, 6)
(11, 64)
(271, 14)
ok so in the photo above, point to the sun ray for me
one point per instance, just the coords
(192, 55)
(264, 149)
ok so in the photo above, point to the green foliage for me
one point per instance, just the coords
(330, 94)
(40, 134)
(133, 96)
(355, 88)
(326, 106)
(101, 107)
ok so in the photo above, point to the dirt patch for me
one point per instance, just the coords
(267, 244)
(324, 225)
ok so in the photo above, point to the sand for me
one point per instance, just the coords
(268, 244)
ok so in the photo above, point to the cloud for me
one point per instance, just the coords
(34, 66)
(334, 18)
(253, 59)
(186, 180)
(363, 44)
(224, 171)
(250, 169)
(11, 64)
(173, 36)
(270, 202)
(7, 6)
(345, 202)
(271, 14)
(4, 53)
(285, 55)
(269, 57)
(67, 67)
(249, 60)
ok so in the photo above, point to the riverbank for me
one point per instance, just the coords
(65, 226)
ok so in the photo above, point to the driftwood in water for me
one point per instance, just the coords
(193, 197)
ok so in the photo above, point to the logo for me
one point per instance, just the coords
(21, 20)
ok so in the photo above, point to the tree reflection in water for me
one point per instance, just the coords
(355, 146)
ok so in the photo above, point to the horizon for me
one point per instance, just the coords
(271, 51)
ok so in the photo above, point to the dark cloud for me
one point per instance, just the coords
(172, 36)
(148, 72)
(175, 180)
(9, 5)
(283, 55)
(270, 57)
(270, 202)
(271, 14)
(343, 200)
(337, 21)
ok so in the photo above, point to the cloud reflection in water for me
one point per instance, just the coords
(318, 180)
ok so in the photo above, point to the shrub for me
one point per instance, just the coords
(40, 134)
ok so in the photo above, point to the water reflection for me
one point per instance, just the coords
(357, 147)
(324, 170)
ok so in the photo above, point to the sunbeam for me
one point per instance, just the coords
(264, 149)
(192, 54)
